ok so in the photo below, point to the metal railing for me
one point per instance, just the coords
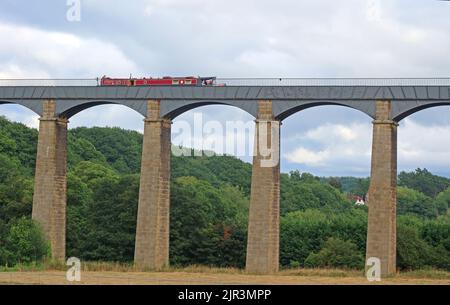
(57, 82)
(253, 82)
(334, 81)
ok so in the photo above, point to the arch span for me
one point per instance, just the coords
(404, 109)
(287, 108)
(31, 105)
(67, 110)
(170, 109)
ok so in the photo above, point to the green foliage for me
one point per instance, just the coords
(15, 190)
(305, 232)
(121, 148)
(437, 232)
(350, 185)
(80, 149)
(217, 170)
(413, 251)
(204, 226)
(413, 202)
(336, 253)
(90, 172)
(442, 201)
(304, 191)
(110, 217)
(19, 143)
(335, 182)
(423, 181)
(25, 243)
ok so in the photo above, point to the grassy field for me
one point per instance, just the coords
(107, 273)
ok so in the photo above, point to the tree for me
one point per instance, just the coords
(25, 243)
(15, 190)
(304, 191)
(413, 252)
(305, 232)
(423, 181)
(80, 149)
(19, 143)
(442, 201)
(336, 253)
(336, 183)
(204, 224)
(413, 202)
(121, 148)
(111, 219)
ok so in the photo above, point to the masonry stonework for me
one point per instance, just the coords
(264, 223)
(152, 232)
(50, 186)
(382, 195)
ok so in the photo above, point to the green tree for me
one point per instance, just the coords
(16, 190)
(337, 253)
(207, 224)
(25, 243)
(423, 181)
(111, 219)
(410, 201)
(413, 252)
(304, 191)
(442, 201)
(19, 143)
(80, 149)
(121, 148)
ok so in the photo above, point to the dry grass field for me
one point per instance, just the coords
(99, 274)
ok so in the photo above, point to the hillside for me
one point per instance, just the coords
(209, 207)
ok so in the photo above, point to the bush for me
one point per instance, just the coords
(413, 252)
(306, 232)
(25, 243)
(336, 253)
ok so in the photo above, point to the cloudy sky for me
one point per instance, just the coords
(245, 38)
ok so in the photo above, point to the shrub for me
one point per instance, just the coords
(25, 243)
(336, 253)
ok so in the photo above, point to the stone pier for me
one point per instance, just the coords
(264, 223)
(152, 232)
(50, 186)
(382, 196)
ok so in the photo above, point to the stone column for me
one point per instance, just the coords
(264, 223)
(152, 232)
(382, 196)
(50, 185)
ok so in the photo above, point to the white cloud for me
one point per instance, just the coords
(333, 145)
(423, 146)
(29, 52)
(309, 157)
(109, 116)
(332, 148)
(21, 114)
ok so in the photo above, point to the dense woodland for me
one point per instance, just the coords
(320, 227)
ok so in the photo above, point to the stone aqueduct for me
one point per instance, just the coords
(386, 101)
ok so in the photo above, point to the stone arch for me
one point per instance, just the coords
(34, 106)
(285, 109)
(68, 109)
(170, 109)
(403, 109)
